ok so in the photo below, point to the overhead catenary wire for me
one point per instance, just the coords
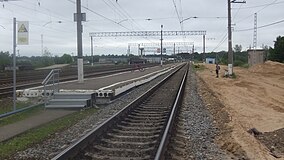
(257, 6)
(112, 7)
(267, 5)
(132, 20)
(222, 41)
(177, 13)
(263, 26)
(100, 15)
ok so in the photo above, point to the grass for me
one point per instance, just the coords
(234, 76)
(41, 133)
(6, 105)
(198, 67)
(21, 115)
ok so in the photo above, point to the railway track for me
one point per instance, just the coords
(6, 88)
(139, 131)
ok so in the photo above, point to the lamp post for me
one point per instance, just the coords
(203, 37)
(41, 36)
(161, 45)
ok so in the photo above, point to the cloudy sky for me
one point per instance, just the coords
(52, 22)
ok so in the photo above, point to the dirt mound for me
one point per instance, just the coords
(274, 141)
(254, 99)
(269, 67)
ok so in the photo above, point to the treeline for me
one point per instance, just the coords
(6, 59)
(240, 58)
(277, 53)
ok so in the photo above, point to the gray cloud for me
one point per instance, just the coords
(60, 38)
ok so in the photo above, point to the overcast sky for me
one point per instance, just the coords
(138, 15)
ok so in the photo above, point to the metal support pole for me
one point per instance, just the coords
(161, 45)
(230, 51)
(92, 52)
(14, 63)
(41, 44)
(204, 48)
(138, 49)
(174, 48)
(79, 43)
(128, 50)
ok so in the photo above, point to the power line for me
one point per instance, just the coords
(267, 5)
(114, 9)
(42, 12)
(134, 22)
(101, 15)
(238, 11)
(178, 16)
(261, 5)
(224, 38)
(267, 25)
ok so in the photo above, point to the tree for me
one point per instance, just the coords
(46, 59)
(5, 59)
(277, 53)
(238, 48)
(66, 59)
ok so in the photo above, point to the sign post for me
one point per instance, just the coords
(23, 39)
(14, 64)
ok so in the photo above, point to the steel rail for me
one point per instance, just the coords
(165, 139)
(82, 143)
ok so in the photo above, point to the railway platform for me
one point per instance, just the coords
(102, 89)
(110, 82)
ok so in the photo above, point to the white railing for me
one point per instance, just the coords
(51, 80)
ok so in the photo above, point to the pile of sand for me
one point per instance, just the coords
(255, 99)
(269, 67)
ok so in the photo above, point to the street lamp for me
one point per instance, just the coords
(42, 34)
(122, 21)
(51, 22)
(187, 19)
(2, 26)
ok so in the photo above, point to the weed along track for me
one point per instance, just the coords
(137, 131)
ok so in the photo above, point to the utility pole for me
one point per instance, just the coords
(161, 45)
(128, 50)
(79, 43)
(41, 44)
(92, 53)
(174, 48)
(204, 48)
(230, 50)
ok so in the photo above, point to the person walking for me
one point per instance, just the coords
(217, 70)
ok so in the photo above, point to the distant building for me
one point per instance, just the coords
(256, 56)
(210, 60)
(113, 60)
(153, 59)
